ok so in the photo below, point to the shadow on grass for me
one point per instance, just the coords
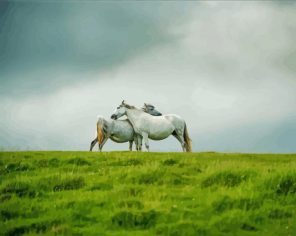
(20, 189)
(135, 220)
(246, 204)
(69, 184)
(226, 178)
(287, 185)
(38, 227)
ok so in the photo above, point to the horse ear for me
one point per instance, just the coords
(122, 102)
(145, 104)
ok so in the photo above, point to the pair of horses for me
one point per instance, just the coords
(146, 123)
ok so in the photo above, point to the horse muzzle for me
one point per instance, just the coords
(114, 117)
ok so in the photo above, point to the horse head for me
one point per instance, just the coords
(150, 109)
(121, 110)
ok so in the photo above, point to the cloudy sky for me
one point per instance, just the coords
(228, 68)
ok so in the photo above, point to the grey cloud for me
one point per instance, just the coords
(41, 39)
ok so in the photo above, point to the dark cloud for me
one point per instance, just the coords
(41, 38)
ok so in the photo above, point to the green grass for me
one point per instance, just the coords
(123, 193)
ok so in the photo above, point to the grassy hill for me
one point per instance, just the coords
(123, 193)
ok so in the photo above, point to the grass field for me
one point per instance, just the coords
(123, 193)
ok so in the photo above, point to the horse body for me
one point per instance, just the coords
(119, 131)
(157, 127)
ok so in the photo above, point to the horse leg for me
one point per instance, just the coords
(136, 141)
(145, 137)
(131, 145)
(103, 143)
(93, 143)
(180, 138)
(139, 138)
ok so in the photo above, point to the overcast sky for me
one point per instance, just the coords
(228, 68)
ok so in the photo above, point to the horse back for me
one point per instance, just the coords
(176, 120)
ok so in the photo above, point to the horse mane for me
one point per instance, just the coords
(129, 106)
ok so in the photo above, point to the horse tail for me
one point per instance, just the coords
(100, 130)
(187, 140)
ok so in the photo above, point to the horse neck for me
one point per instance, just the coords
(133, 114)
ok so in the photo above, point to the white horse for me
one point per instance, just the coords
(155, 127)
(119, 131)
